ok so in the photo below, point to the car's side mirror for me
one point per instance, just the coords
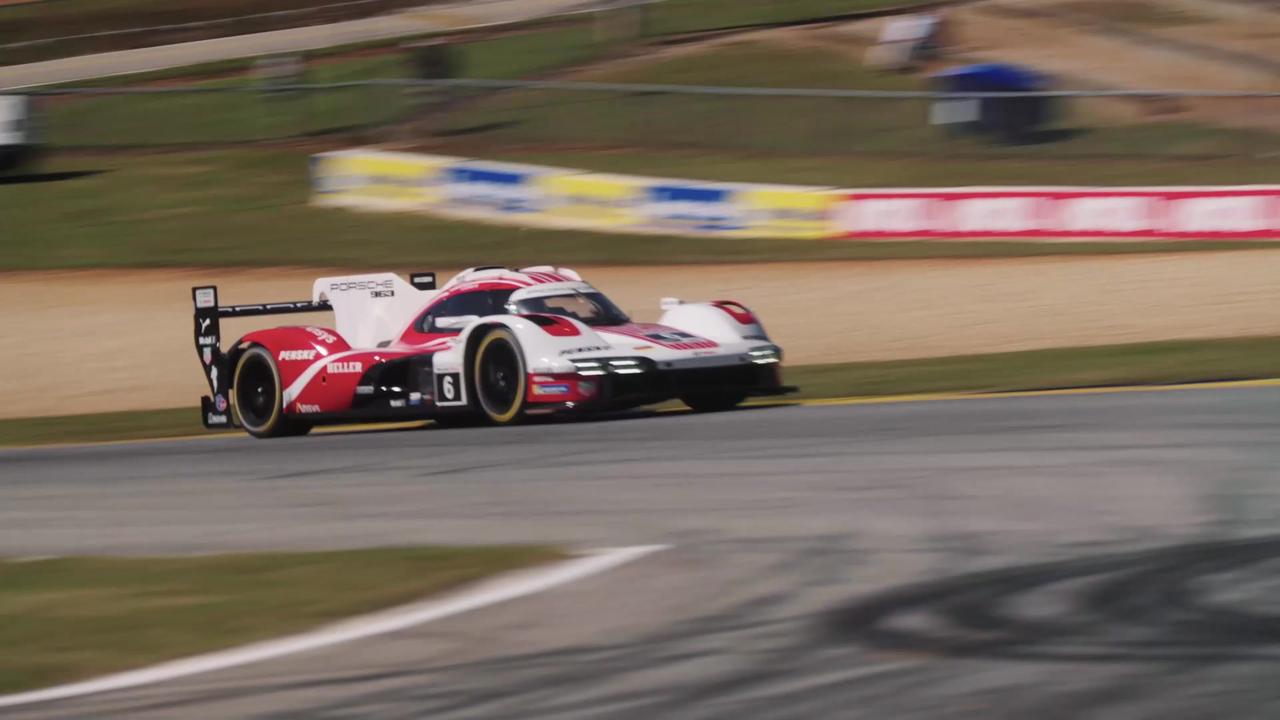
(455, 322)
(668, 303)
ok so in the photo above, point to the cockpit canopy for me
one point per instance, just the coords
(578, 301)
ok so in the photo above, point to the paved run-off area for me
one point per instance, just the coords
(1060, 556)
(99, 341)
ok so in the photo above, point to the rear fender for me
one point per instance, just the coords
(294, 348)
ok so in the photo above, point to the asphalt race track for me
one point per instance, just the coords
(1103, 556)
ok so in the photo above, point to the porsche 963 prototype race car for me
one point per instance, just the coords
(492, 344)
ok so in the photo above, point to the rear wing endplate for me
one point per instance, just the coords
(215, 410)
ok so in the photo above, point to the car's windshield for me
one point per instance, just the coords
(592, 308)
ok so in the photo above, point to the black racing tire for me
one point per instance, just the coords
(256, 394)
(713, 402)
(458, 420)
(498, 377)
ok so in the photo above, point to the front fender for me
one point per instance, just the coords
(547, 341)
(724, 321)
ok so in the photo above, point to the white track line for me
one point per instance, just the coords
(501, 589)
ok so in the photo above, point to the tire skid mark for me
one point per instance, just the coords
(1143, 606)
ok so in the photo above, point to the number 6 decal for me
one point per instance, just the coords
(449, 389)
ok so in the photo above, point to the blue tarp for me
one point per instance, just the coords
(991, 77)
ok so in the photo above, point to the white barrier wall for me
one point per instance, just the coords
(538, 196)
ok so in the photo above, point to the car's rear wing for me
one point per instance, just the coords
(215, 410)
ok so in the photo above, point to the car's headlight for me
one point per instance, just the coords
(626, 367)
(616, 366)
(589, 367)
(765, 355)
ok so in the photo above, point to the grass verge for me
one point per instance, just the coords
(102, 427)
(1157, 363)
(830, 127)
(249, 208)
(82, 617)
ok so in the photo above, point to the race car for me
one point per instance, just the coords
(492, 345)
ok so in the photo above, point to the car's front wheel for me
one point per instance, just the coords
(498, 376)
(257, 395)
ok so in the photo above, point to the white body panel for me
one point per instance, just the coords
(370, 309)
(374, 310)
(718, 340)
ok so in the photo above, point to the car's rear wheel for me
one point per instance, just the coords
(713, 402)
(498, 377)
(257, 395)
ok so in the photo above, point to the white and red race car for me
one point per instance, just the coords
(492, 344)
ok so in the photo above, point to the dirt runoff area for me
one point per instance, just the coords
(98, 341)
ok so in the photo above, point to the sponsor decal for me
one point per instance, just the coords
(551, 389)
(206, 340)
(213, 377)
(297, 355)
(397, 403)
(493, 190)
(381, 179)
(786, 213)
(364, 389)
(216, 419)
(415, 398)
(592, 200)
(1220, 212)
(566, 198)
(324, 335)
(692, 207)
(345, 368)
(204, 323)
(587, 387)
(205, 298)
(584, 349)
(376, 288)
(207, 355)
(220, 402)
(305, 408)
(643, 348)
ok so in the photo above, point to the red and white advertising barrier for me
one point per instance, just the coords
(1141, 212)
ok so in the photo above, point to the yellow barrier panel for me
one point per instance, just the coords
(604, 202)
(538, 196)
(379, 180)
(786, 213)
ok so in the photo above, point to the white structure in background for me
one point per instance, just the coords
(905, 41)
(17, 132)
